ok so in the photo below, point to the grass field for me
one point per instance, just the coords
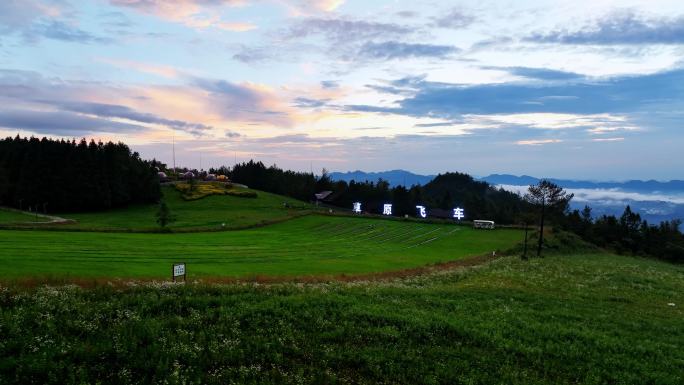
(581, 319)
(206, 213)
(311, 245)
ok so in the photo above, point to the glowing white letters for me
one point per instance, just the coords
(357, 207)
(421, 211)
(387, 209)
(459, 213)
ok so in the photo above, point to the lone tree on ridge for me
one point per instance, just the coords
(550, 199)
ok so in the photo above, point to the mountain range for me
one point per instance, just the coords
(407, 178)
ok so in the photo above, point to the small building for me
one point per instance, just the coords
(188, 175)
(481, 224)
(210, 177)
(222, 178)
(321, 196)
(162, 176)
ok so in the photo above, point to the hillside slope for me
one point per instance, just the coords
(311, 246)
(203, 214)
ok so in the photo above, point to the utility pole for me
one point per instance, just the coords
(173, 145)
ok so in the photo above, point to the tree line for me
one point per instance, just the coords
(441, 195)
(68, 176)
(628, 234)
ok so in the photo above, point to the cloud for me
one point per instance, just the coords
(585, 96)
(537, 142)
(618, 28)
(35, 20)
(454, 19)
(61, 123)
(309, 103)
(173, 9)
(249, 102)
(58, 30)
(344, 30)
(28, 90)
(329, 84)
(397, 50)
(619, 139)
(247, 54)
(537, 73)
(408, 14)
(123, 112)
(320, 5)
(198, 14)
(17, 15)
(199, 108)
(608, 196)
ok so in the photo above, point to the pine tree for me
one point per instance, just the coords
(164, 216)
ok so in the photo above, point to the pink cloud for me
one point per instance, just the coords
(192, 13)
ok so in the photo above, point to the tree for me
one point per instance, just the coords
(193, 184)
(551, 199)
(164, 216)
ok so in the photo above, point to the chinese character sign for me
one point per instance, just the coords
(387, 209)
(421, 211)
(459, 213)
(357, 207)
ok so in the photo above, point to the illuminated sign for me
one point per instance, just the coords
(357, 207)
(387, 209)
(459, 213)
(421, 211)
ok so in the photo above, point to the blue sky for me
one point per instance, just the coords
(586, 90)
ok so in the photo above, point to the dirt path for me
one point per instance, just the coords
(48, 219)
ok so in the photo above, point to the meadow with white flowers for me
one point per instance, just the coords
(563, 319)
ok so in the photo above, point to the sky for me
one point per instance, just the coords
(589, 89)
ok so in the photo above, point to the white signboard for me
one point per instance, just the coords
(459, 213)
(357, 207)
(178, 271)
(387, 209)
(421, 211)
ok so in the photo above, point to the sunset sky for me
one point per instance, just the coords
(585, 89)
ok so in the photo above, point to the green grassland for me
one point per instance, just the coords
(11, 217)
(311, 245)
(208, 213)
(580, 319)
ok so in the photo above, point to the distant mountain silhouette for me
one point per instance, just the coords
(393, 177)
(407, 178)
